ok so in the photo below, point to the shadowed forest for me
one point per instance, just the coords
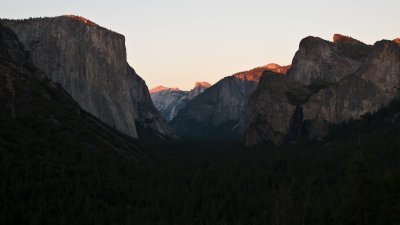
(351, 177)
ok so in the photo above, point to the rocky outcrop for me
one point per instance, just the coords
(218, 110)
(319, 61)
(397, 41)
(90, 64)
(366, 85)
(339, 38)
(169, 101)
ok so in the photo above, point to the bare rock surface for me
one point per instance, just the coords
(89, 62)
(328, 83)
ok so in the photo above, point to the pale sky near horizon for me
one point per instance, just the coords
(176, 43)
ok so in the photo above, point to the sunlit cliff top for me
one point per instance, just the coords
(81, 19)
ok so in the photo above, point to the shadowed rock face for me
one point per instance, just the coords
(220, 107)
(318, 60)
(364, 86)
(148, 120)
(90, 63)
(269, 111)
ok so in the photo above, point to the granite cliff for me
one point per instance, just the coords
(90, 64)
(217, 111)
(169, 101)
(328, 83)
(319, 61)
(39, 118)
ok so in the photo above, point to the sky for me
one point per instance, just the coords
(175, 43)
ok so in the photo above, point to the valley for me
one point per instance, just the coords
(84, 141)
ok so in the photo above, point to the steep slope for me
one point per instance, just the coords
(320, 61)
(269, 111)
(37, 115)
(169, 101)
(304, 104)
(90, 64)
(55, 157)
(218, 110)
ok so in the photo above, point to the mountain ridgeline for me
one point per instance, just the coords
(218, 111)
(328, 83)
(169, 101)
(89, 62)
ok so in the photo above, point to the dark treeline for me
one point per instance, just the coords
(352, 177)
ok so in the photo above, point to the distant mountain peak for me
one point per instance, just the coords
(199, 88)
(169, 101)
(202, 84)
(162, 88)
(345, 39)
(198, 85)
(81, 19)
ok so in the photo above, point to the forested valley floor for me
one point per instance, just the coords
(352, 177)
